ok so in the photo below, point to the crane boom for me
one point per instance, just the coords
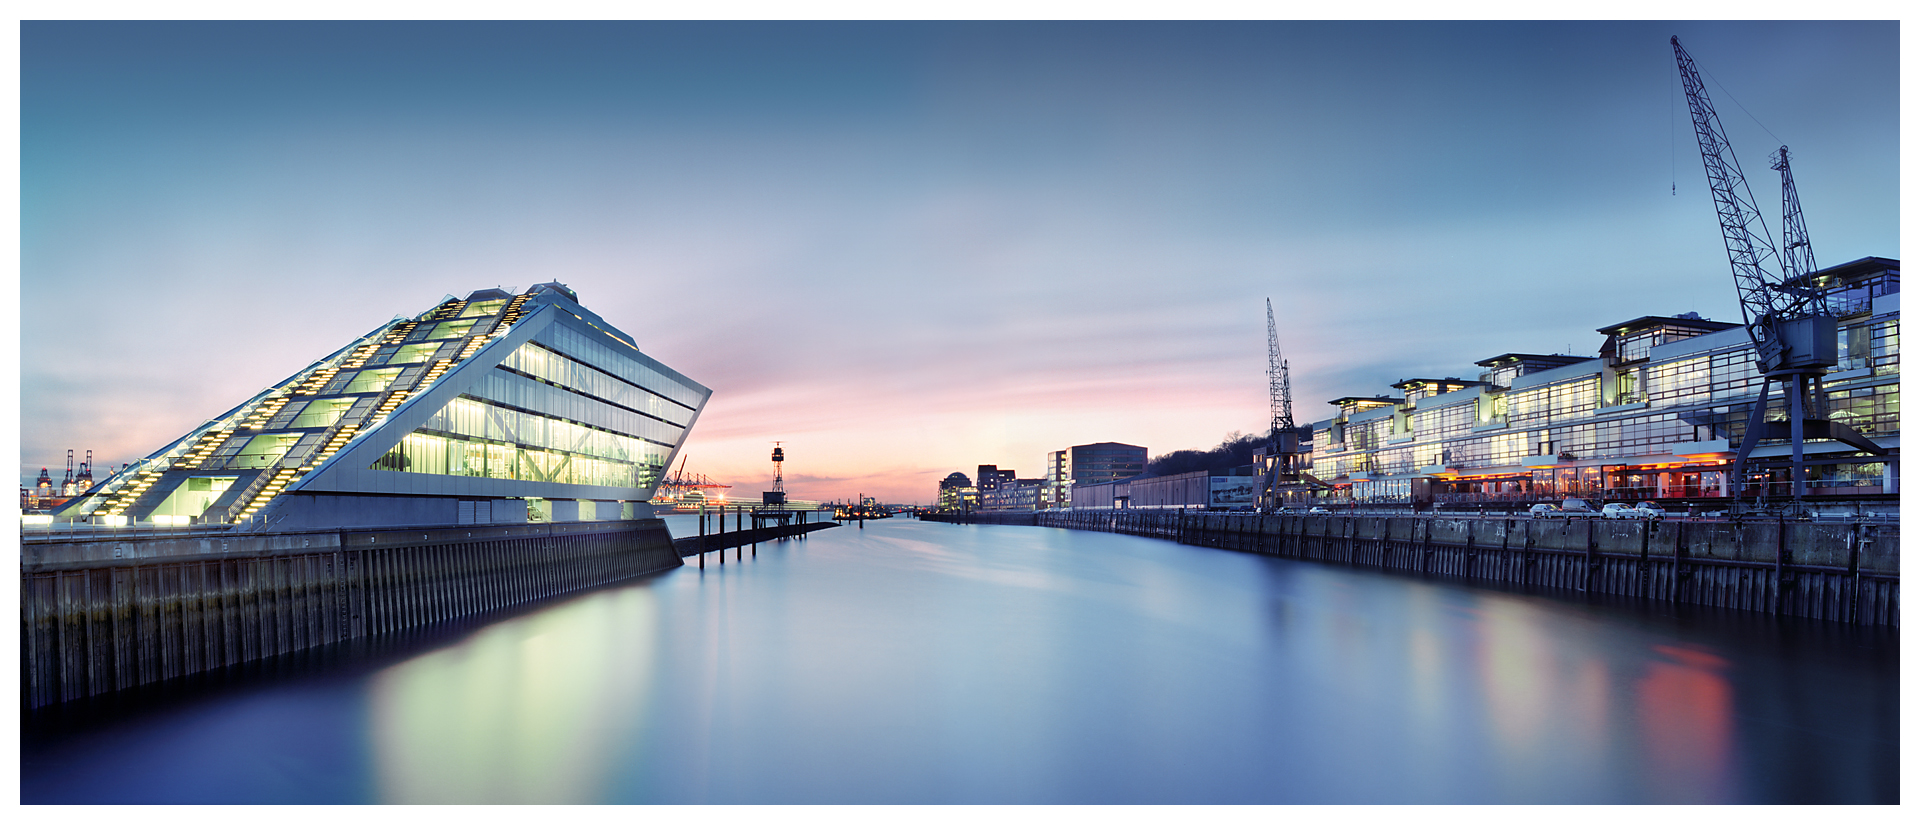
(1795, 336)
(1279, 394)
(1747, 249)
(1796, 249)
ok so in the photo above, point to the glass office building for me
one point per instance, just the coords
(1659, 414)
(495, 408)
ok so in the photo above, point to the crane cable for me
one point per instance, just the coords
(1673, 125)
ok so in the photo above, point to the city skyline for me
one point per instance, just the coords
(905, 250)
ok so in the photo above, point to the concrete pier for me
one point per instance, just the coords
(102, 613)
(1847, 571)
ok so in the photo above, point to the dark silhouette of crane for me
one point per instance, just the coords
(1284, 437)
(1795, 335)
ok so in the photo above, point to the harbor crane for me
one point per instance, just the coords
(1795, 335)
(1283, 439)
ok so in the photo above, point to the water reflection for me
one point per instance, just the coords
(925, 663)
(1685, 712)
(527, 711)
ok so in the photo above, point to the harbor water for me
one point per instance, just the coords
(910, 662)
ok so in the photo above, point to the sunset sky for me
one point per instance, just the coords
(905, 249)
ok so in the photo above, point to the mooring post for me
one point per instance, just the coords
(1593, 555)
(1681, 573)
(1506, 538)
(1646, 562)
(1856, 536)
(1470, 548)
(1782, 558)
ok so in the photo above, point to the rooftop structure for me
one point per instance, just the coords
(495, 408)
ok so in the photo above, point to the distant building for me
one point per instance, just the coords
(1089, 464)
(1056, 483)
(495, 408)
(957, 492)
(990, 477)
(1013, 495)
(1233, 489)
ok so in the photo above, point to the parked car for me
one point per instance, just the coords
(1619, 510)
(1650, 510)
(1319, 511)
(1577, 508)
(1543, 511)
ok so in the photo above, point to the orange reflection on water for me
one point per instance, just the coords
(1686, 718)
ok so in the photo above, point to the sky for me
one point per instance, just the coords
(905, 249)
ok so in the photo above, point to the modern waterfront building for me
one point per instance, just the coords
(957, 492)
(989, 477)
(1080, 464)
(1055, 482)
(1659, 414)
(1020, 495)
(1233, 489)
(494, 408)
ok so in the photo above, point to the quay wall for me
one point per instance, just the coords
(1840, 571)
(100, 614)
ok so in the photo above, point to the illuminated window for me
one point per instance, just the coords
(413, 353)
(372, 380)
(194, 496)
(263, 451)
(322, 413)
(450, 329)
(478, 308)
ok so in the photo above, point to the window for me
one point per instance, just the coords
(194, 496)
(450, 329)
(372, 380)
(413, 353)
(478, 308)
(263, 451)
(323, 413)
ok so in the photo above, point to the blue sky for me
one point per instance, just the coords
(905, 248)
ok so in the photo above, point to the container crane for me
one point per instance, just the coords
(1795, 336)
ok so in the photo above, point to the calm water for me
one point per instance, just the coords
(929, 663)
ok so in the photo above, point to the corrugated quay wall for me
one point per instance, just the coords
(99, 615)
(1839, 571)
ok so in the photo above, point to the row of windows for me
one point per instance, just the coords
(472, 417)
(444, 454)
(1886, 347)
(564, 338)
(1542, 405)
(527, 394)
(538, 361)
(1874, 410)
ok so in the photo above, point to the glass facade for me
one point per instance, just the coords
(541, 415)
(1659, 414)
(573, 403)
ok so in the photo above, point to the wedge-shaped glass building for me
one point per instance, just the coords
(496, 408)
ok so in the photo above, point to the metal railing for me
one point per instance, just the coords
(34, 533)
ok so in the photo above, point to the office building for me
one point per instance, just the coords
(495, 408)
(1658, 414)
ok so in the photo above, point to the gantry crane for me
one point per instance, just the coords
(1795, 336)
